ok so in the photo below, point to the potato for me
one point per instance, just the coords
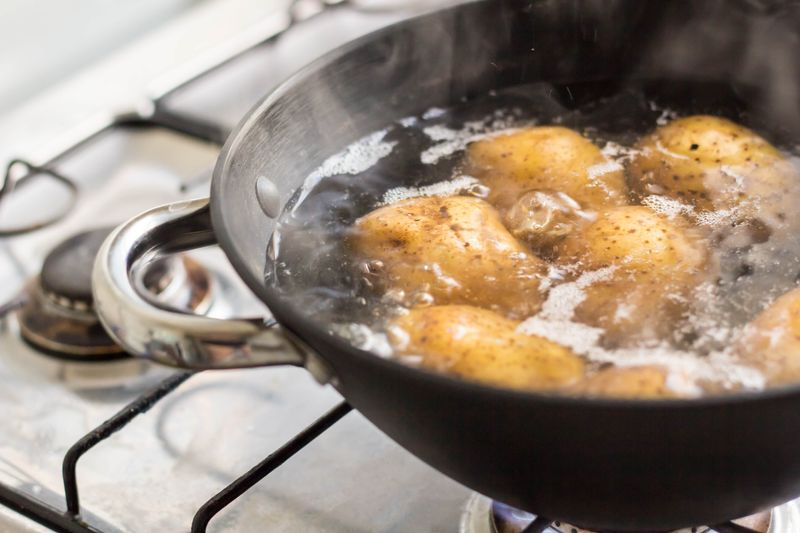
(657, 262)
(632, 307)
(638, 238)
(546, 158)
(455, 250)
(713, 164)
(645, 382)
(483, 346)
(771, 342)
(542, 219)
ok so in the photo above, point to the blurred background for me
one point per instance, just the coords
(46, 41)
(65, 62)
(67, 66)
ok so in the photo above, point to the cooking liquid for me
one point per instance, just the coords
(423, 156)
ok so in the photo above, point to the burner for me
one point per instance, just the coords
(506, 519)
(58, 319)
(486, 516)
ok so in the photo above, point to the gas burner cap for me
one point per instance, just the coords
(483, 515)
(66, 275)
(58, 316)
(64, 327)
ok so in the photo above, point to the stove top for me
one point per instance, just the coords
(114, 444)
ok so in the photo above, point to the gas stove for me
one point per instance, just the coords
(93, 440)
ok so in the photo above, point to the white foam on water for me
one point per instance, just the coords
(451, 187)
(595, 171)
(554, 275)
(443, 133)
(555, 322)
(433, 112)
(663, 149)
(667, 114)
(364, 338)
(355, 159)
(578, 337)
(448, 141)
(619, 153)
(407, 122)
(669, 207)
(719, 217)
(566, 297)
(732, 173)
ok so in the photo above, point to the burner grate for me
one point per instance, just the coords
(241, 485)
(545, 525)
(71, 521)
(20, 173)
(483, 515)
(139, 406)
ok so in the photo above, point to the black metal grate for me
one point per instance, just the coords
(141, 405)
(244, 483)
(71, 521)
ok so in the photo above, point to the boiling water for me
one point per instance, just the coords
(423, 156)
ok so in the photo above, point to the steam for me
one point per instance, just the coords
(749, 42)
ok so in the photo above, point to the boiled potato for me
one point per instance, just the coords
(546, 158)
(632, 307)
(454, 250)
(656, 261)
(638, 238)
(626, 382)
(542, 219)
(712, 164)
(771, 342)
(481, 345)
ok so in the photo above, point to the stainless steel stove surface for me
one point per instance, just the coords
(158, 472)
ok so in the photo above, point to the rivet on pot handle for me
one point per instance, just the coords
(175, 339)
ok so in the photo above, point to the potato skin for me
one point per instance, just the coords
(710, 163)
(640, 382)
(481, 345)
(771, 342)
(455, 249)
(632, 307)
(657, 262)
(635, 237)
(545, 158)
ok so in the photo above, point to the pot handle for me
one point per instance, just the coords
(172, 338)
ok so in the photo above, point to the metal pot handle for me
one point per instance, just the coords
(171, 338)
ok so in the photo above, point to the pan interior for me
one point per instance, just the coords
(611, 70)
(311, 264)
